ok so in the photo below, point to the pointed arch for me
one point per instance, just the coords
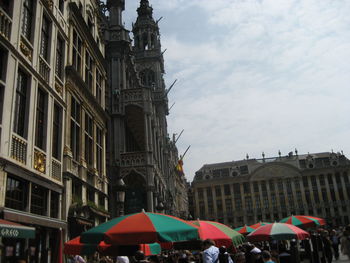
(136, 194)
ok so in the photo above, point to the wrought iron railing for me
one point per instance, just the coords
(19, 149)
(5, 24)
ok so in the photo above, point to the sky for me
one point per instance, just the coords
(255, 76)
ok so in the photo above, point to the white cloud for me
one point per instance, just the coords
(256, 75)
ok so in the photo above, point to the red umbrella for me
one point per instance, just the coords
(277, 231)
(244, 229)
(257, 225)
(304, 221)
(76, 247)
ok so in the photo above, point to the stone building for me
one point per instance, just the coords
(140, 151)
(33, 43)
(84, 167)
(53, 122)
(269, 189)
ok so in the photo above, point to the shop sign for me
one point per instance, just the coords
(9, 232)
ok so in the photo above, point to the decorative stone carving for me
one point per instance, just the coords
(39, 161)
(25, 50)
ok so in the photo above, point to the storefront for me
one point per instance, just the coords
(13, 240)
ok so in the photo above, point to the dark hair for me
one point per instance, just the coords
(209, 242)
(139, 255)
(266, 254)
(222, 250)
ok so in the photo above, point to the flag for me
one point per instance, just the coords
(179, 167)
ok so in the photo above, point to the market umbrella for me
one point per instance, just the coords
(76, 247)
(142, 228)
(220, 233)
(304, 221)
(277, 231)
(255, 226)
(244, 229)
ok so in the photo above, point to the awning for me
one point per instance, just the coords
(14, 230)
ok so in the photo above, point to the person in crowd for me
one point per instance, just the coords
(345, 243)
(122, 259)
(240, 257)
(140, 257)
(224, 256)
(335, 243)
(327, 246)
(79, 259)
(266, 257)
(210, 252)
(284, 256)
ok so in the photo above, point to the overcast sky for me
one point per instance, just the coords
(254, 76)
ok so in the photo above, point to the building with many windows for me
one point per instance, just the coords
(33, 41)
(53, 122)
(269, 189)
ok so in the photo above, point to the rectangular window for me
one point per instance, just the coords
(256, 187)
(76, 191)
(218, 191)
(77, 49)
(2, 90)
(38, 203)
(228, 204)
(257, 202)
(27, 18)
(75, 129)
(61, 5)
(305, 182)
(90, 194)
(98, 86)
(324, 195)
(16, 193)
(59, 57)
(246, 188)
(266, 201)
(101, 201)
(88, 70)
(20, 125)
(282, 200)
(248, 203)
(3, 63)
(40, 125)
(200, 193)
(273, 201)
(54, 204)
(209, 192)
(227, 190)
(89, 146)
(99, 146)
(45, 38)
(57, 132)
(238, 203)
(272, 185)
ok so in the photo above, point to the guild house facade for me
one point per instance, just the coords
(269, 189)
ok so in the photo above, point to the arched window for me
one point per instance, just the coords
(148, 77)
(145, 41)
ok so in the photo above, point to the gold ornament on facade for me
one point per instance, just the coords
(59, 88)
(39, 161)
(25, 50)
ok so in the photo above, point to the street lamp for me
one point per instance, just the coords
(120, 188)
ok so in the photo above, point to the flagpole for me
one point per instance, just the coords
(185, 152)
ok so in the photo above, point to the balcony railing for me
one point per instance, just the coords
(133, 159)
(19, 149)
(56, 170)
(5, 24)
(44, 69)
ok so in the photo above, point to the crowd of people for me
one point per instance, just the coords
(324, 246)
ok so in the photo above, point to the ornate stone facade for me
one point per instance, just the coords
(140, 150)
(269, 189)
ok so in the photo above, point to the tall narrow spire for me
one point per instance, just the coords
(145, 10)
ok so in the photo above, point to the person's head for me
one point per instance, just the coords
(139, 255)
(208, 243)
(266, 256)
(239, 257)
(222, 250)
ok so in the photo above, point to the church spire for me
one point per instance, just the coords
(145, 10)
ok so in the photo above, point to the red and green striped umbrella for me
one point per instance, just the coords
(277, 231)
(141, 228)
(304, 221)
(244, 230)
(75, 247)
(255, 226)
(220, 233)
